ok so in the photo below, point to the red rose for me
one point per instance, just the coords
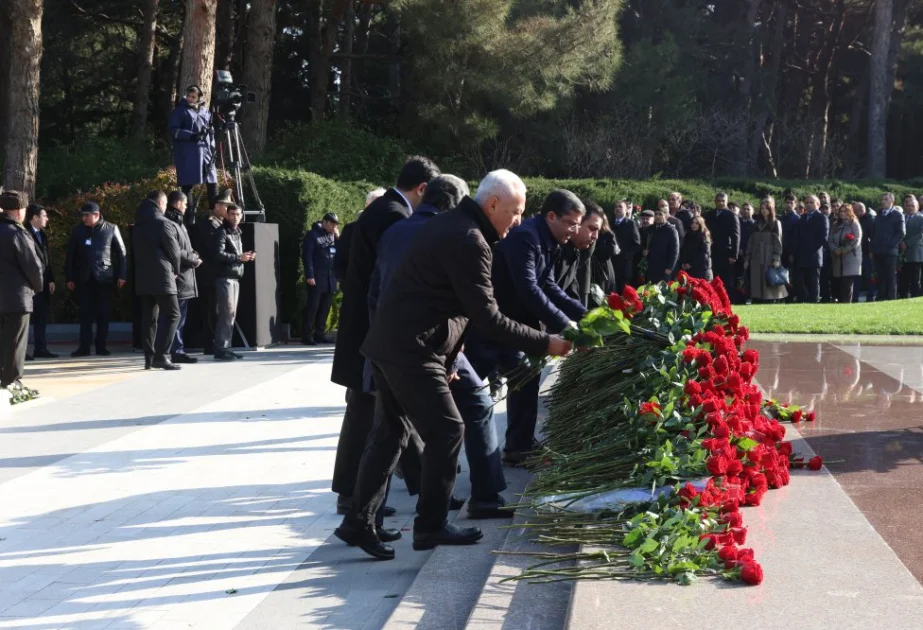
(752, 573)
(812, 416)
(717, 464)
(750, 356)
(850, 237)
(721, 430)
(735, 467)
(711, 541)
(649, 408)
(692, 387)
(690, 354)
(732, 519)
(785, 448)
(796, 417)
(739, 534)
(728, 553)
(615, 302)
(815, 463)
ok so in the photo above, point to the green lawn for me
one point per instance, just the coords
(898, 317)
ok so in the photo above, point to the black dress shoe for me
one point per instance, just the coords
(489, 508)
(451, 534)
(515, 458)
(183, 358)
(44, 354)
(224, 356)
(103, 353)
(389, 511)
(388, 535)
(164, 364)
(365, 540)
(80, 352)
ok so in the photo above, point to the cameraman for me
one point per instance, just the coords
(194, 146)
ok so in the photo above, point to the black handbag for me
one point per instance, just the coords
(776, 276)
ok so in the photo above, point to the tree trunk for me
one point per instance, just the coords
(224, 34)
(199, 45)
(819, 110)
(4, 77)
(261, 37)
(21, 147)
(879, 90)
(346, 74)
(146, 45)
(169, 86)
(322, 39)
(768, 89)
(748, 83)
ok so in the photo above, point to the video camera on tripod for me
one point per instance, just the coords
(227, 100)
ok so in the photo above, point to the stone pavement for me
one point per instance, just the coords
(133, 499)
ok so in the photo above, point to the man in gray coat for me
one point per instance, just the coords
(21, 277)
(912, 246)
(889, 232)
(157, 265)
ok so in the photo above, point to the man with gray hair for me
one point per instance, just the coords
(811, 241)
(889, 232)
(441, 285)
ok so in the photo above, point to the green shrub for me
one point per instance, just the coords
(335, 149)
(62, 170)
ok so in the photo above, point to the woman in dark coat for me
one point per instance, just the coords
(697, 250)
(602, 271)
(193, 144)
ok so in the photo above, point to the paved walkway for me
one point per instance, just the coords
(133, 499)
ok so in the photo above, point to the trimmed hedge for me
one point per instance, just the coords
(295, 199)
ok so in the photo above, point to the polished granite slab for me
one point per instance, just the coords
(840, 549)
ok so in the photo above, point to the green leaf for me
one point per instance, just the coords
(633, 538)
(649, 545)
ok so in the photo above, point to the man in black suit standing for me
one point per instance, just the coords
(348, 364)
(810, 242)
(724, 226)
(37, 221)
(628, 239)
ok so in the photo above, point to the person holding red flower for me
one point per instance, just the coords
(846, 253)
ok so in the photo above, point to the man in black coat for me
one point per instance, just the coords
(158, 263)
(574, 267)
(678, 210)
(663, 250)
(810, 242)
(96, 259)
(205, 238)
(21, 277)
(789, 221)
(724, 227)
(229, 270)
(397, 203)
(186, 286)
(442, 285)
(747, 226)
(628, 239)
(341, 260)
(318, 252)
(890, 229)
(867, 218)
(37, 220)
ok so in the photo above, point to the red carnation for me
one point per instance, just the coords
(732, 519)
(812, 416)
(752, 573)
(796, 417)
(728, 553)
(717, 464)
(739, 534)
(815, 463)
(750, 356)
(649, 408)
(850, 237)
(615, 302)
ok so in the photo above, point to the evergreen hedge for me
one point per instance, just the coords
(295, 199)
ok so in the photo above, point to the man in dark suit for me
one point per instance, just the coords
(397, 203)
(789, 221)
(442, 285)
(810, 242)
(628, 239)
(747, 226)
(663, 250)
(187, 289)
(20, 279)
(889, 232)
(724, 226)
(867, 218)
(158, 263)
(37, 221)
(318, 252)
(527, 292)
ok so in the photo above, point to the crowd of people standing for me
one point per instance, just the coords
(830, 251)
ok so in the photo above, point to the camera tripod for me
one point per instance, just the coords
(230, 145)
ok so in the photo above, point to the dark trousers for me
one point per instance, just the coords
(315, 314)
(361, 415)
(727, 272)
(886, 268)
(177, 346)
(827, 282)
(521, 405)
(868, 268)
(209, 319)
(808, 287)
(94, 299)
(211, 191)
(845, 287)
(481, 445)
(158, 339)
(41, 308)
(910, 280)
(417, 398)
(14, 337)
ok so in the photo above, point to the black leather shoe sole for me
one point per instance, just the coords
(183, 358)
(163, 365)
(374, 548)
